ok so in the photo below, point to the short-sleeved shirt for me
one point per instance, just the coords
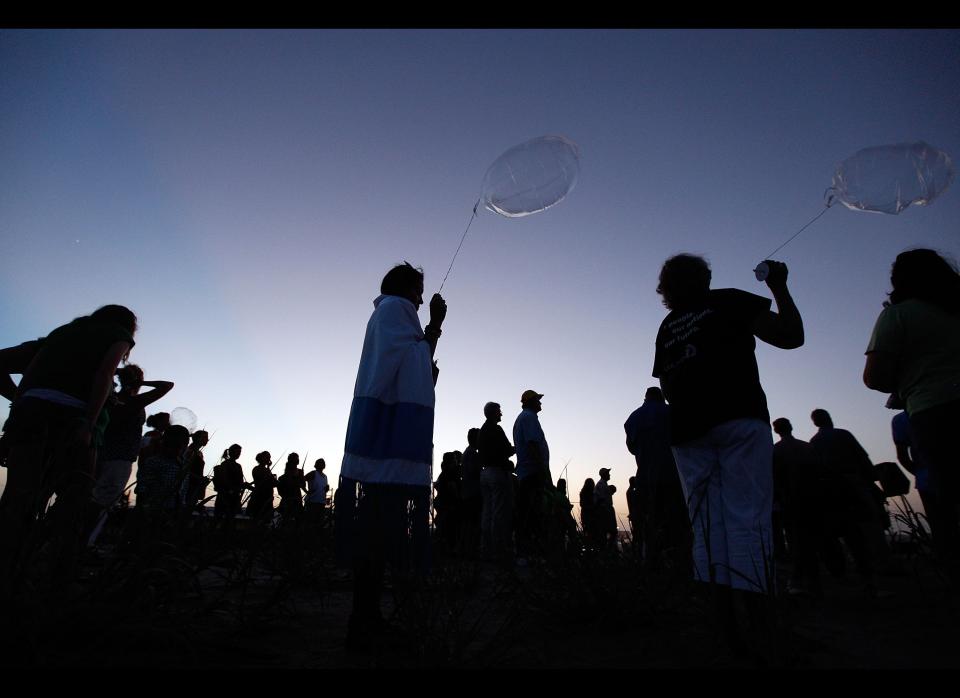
(926, 343)
(70, 356)
(316, 488)
(706, 365)
(526, 429)
(121, 441)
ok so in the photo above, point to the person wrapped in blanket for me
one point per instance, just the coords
(383, 499)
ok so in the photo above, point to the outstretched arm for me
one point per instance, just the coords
(160, 388)
(784, 328)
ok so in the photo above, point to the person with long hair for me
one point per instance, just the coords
(53, 428)
(229, 483)
(914, 351)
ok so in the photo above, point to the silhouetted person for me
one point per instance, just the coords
(315, 504)
(662, 523)
(802, 488)
(471, 499)
(121, 442)
(196, 468)
(291, 486)
(587, 508)
(228, 483)
(383, 499)
(260, 505)
(52, 430)
(914, 351)
(856, 505)
(161, 485)
(533, 472)
(606, 517)
(496, 487)
(446, 502)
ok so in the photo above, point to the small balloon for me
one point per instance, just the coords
(531, 177)
(889, 178)
(184, 417)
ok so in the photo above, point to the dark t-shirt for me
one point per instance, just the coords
(72, 353)
(494, 447)
(706, 365)
(121, 441)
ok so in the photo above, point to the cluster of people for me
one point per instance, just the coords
(711, 492)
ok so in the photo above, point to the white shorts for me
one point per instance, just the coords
(727, 478)
(111, 482)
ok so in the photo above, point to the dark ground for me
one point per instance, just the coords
(259, 600)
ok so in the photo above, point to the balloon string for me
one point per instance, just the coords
(808, 224)
(462, 238)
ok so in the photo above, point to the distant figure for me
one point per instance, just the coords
(720, 425)
(606, 517)
(121, 442)
(446, 503)
(802, 486)
(587, 517)
(857, 511)
(197, 480)
(51, 433)
(914, 351)
(260, 505)
(229, 484)
(160, 480)
(291, 486)
(471, 501)
(150, 441)
(662, 523)
(383, 499)
(533, 471)
(496, 488)
(315, 505)
(635, 515)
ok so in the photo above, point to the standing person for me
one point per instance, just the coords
(383, 499)
(228, 483)
(496, 487)
(857, 513)
(260, 505)
(161, 485)
(606, 517)
(720, 426)
(196, 467)
(914, 351)
(315, 506)
(663, 521)
(533, 471)
(49, 434)
(291, 486)
(471, 504)
(587, 508)
(150, 442)
(121, 442)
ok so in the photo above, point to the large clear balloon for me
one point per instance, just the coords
(184, 417)
(531, 177)
(889, 178)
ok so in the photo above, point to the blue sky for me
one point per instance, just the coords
(244, 191)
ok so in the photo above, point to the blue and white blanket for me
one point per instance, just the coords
(390, 432)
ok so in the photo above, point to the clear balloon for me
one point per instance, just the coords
(184, 417)
(889, 178)
(531, 177)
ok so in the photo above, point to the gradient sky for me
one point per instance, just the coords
(245, 191)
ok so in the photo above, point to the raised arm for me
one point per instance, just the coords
(784, 328)
(160, 388)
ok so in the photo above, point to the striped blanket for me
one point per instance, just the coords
(390, 432)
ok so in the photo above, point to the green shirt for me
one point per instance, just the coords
(925, 341)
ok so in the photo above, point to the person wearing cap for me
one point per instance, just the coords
(720, 425)
(603, 506)
(533, 469)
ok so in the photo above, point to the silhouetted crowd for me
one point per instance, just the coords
(712, 494)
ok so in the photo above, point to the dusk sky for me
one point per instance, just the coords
(244, 192)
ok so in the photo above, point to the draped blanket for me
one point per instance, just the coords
(390, 432)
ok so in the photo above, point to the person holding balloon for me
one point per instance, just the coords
(914, 351)
(383, 500)
(720, 425)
